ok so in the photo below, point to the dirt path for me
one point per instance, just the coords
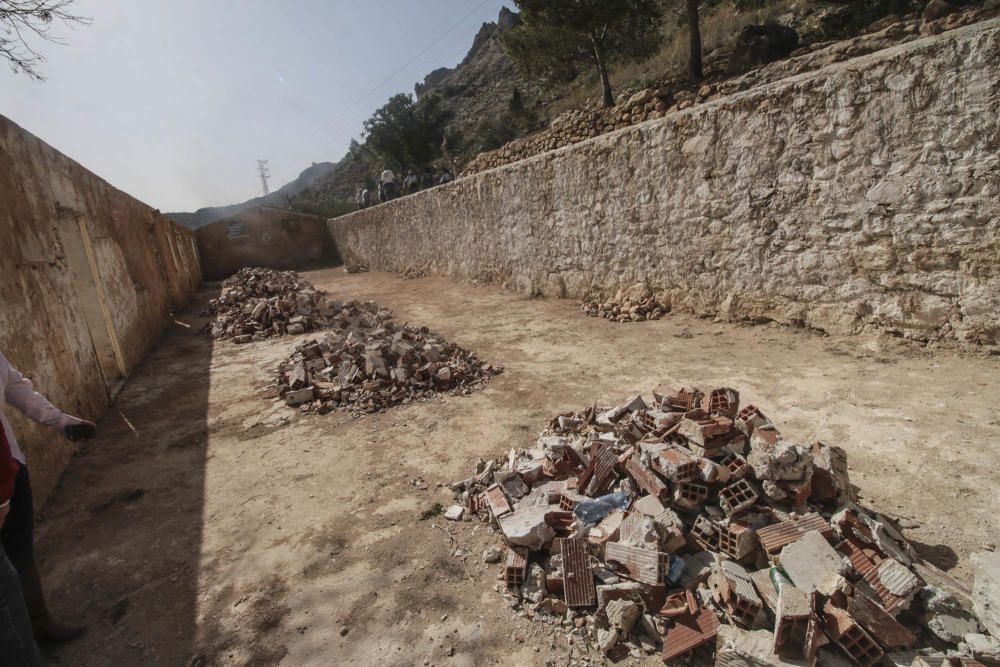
(234, 530)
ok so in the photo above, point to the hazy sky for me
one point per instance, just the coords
(173, 101)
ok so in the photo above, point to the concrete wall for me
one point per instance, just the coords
(90, 276)
(862, 195)
(264, 236)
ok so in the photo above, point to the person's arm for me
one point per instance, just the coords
(20, 394)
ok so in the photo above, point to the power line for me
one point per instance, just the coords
(264, 173)
(325, 126)
(345, 134)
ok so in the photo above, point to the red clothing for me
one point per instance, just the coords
(8, 469)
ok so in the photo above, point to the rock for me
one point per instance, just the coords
(607, 640)
(747, 648)
(553, 606)
(534, 584)
(947, 605)
(527, 527)
(642, 97)
(622, 614)
(761, 44)
(299, 396)
(986, 590)
(983, 646)
(492, 555)
(938, 9)
(344, 630)
(945, 617)
(454, 513)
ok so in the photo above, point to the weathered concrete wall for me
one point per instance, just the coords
(90, 276)
(264, 236)
(861, 195)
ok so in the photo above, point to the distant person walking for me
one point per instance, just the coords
(445, 177)
(359, 196)
(410, 183)
(18, 532)
(381, 192)
(388, 184)
(366, 197)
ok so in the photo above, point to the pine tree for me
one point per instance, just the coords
(556, 37)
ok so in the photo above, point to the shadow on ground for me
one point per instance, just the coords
(120, 539)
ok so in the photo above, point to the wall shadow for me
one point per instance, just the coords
(120, 539)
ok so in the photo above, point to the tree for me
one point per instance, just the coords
(407, 133)
(694, 31)
(557, 36)
(22, 19)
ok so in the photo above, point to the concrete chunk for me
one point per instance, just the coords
(527, 527)
(986, 590)
(300, 396)
(811, 563)
(735, 647)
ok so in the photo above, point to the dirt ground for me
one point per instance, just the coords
(232, 530)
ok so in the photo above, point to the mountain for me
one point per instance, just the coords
(476, 92)
(479, 93)
(281, 198)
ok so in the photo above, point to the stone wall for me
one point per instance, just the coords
(579, 125)
(862, 195)
(264, 236)
(90, 277)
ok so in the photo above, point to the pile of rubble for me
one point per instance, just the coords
(627, 310)
(367, 362)
(261, 303)
(413, 274)
(687, 525)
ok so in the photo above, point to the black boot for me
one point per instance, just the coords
(47, 630)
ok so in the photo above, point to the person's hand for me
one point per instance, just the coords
(82, 430)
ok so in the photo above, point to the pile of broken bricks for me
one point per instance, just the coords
(258, 303)
(628, 309)
(367, 362)
(688, 527)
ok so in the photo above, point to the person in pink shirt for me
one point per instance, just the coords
(18, 530)
(17, 645)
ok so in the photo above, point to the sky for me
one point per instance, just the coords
(174, 101)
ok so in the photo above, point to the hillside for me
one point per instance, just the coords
(281, 197)
(491, 105)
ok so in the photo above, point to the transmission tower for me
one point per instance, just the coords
(264, 173)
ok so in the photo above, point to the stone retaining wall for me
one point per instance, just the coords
(862, 195)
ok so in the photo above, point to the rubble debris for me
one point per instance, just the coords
(367, 362)
(627, 309)
(811, 563)
(947, 605)
(686, 522)
(986, 590)
(258, 303)
(492, 555)
(413, 274)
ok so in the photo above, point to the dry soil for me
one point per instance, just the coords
(232, 530)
